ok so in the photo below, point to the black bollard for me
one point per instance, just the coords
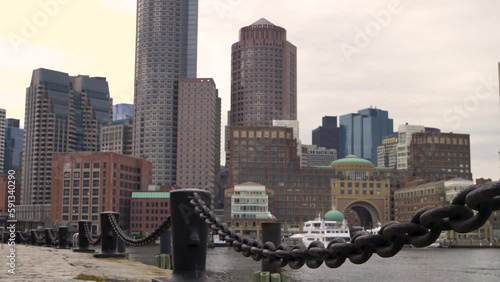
(189, 235)
(48, 239)
(63, 237)
(166, 242)
(271, 232)
(83, 242)
(109, 238)
(121, 246)
(33, 240)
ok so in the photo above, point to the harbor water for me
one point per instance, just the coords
(409, 265)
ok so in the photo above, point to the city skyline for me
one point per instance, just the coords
(421, 62)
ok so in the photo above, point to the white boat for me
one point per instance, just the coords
(324, 229)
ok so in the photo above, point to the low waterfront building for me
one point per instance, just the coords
(84, 184)
(148, 210)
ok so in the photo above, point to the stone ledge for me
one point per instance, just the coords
(35, 263)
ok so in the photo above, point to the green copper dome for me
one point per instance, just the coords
(334, 215)
(351, 159)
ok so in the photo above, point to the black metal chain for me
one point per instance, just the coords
(89, 238)
(39, 237)
(164, 226)
(423, 230)
(22, 238)
(52, 237)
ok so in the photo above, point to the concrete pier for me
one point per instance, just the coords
(34, 263)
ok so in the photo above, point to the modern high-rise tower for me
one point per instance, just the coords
(14, 140)
(63, 114)
(263, 76)
(166, 50)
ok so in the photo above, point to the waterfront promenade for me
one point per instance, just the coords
(35, 263)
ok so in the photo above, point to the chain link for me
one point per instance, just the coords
(164, 226)
(89, 238)
(423, 230)
(22, 238)
(39, 237)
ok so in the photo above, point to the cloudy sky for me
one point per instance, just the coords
(426, 62)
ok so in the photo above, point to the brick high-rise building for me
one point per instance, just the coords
(3, 126)
(166, 50)
(437, 156)
(263, 76)
(198, 141)
(85, 184)
(63, 114)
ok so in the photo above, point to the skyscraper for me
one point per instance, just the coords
(63, 114)
(198, 142)
(263, 76)
(362, 133)
(327, 135)
(14, 138)
(166, 50)
(123, 111)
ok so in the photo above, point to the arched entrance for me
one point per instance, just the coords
(362, 214)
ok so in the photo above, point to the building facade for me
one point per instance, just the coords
(327, 134)
(387, 152)
(362, 133)
(85, 184)
(166, 50)
(63, 114)
(117, 137)
(123, 111)
(314, 156)
(148, 210)
(263, 76)
(197, 146)
(405, 133)
(14, 141)
(3, 128)
(437, 156)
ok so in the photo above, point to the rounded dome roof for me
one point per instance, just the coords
(334, 215)
(351, 159)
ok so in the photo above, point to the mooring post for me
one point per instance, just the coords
(83, 242)
(271, 232)
(189, 235)
(63, 237)
(48, 239)
(32, 239)
(109, 238)
(166, 242)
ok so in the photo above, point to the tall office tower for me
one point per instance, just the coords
(437, 156)
(327, 135)
(387, 152)
(14, 139)
(405, 133)
(166, 50)
(362, 133)
(123, 111)
(63, 114)
(197, 136)
(2, 136)
(117, 137)
(263, 76)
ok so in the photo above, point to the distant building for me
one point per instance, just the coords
(148, 210)
(291, 124)
(405, 132)
(86, 184)
(314, 156)
(327, 135)
(198, 140)
(123, 111)
(362, 133)
(438, 156)
(2, 137)
(117, 137)
(263, 76)
(7, 188)
(14, 139)
(248, 208)
(387, 152)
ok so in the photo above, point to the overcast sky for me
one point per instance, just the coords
(433, 63)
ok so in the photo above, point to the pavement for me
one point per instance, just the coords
(34, 263)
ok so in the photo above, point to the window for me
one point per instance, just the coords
(96, 165)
